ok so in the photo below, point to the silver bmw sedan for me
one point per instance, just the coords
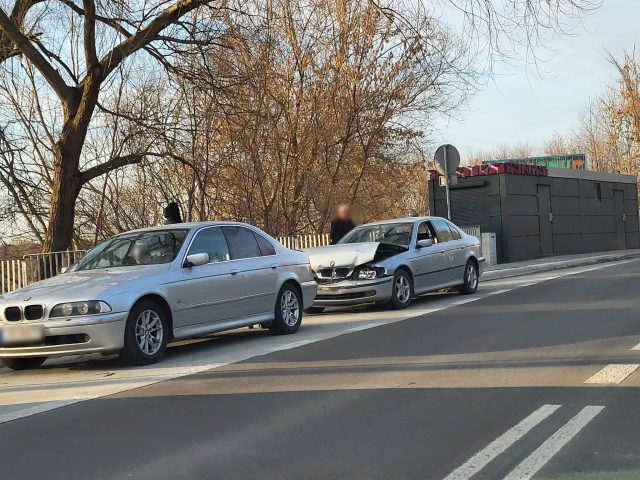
(394, 260)
(139, 290)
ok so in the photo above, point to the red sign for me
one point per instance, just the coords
(497, 169)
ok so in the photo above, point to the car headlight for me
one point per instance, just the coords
(370, 273)
(73, 309)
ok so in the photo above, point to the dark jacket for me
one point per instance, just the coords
(339, 228)
(172, 214)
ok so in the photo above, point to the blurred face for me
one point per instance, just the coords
(343, 212)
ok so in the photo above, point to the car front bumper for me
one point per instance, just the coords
(354, 292)
(80, 335)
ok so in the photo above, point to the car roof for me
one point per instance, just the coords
(184, 226)
(403, 220)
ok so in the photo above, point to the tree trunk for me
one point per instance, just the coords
(66, 188)
(67, 179)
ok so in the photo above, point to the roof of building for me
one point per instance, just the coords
(589, 175)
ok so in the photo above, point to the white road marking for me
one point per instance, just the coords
(545, 452)
(289, 346)
(498, 292)
(33, 410)
(500, 444)
(467, 300)
(613, 374)
(366, 326)
(637, 347)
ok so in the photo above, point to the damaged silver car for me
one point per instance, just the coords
(393, 261)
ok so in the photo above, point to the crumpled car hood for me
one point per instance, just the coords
(343, 255)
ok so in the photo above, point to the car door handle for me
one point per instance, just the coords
(233, 271)
(442, 251)
(274, 266)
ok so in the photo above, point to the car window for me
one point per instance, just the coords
(132, 249)
(242, 243)
(455, 233)
(211, 241)
(394, 233)
(423, 231)
(266, 248)
(442, 231)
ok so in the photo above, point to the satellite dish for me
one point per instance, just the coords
(452, 156)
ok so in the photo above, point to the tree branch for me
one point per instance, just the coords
(148, 34)
(90, 34)
(112, 164)
(18, 14)
(66, 93)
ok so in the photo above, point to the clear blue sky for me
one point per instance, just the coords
(521, 105)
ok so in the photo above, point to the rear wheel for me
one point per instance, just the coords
(146, 334)
(288, 313)
(470, 280)
(402, 289)
(23, 363)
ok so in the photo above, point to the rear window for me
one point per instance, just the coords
(442, 231)
(266, 248)
(242, 242)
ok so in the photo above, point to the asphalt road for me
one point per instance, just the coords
(535, 377)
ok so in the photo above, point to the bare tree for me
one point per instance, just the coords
(269, 112)
(111, 33)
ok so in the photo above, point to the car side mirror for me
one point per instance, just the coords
(196, 259)
(427, 242)
(64, 270)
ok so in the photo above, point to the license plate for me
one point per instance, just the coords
(13, 335)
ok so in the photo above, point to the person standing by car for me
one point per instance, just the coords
(172, 214)
(341, 225)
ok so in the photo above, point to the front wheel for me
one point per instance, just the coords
(23, 363)
(402, 289)
(146, 334)
(288, 313)
(470, 280)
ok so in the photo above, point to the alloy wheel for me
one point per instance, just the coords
(403, 289)
(290, 308)
(149, 332)
(472, 276)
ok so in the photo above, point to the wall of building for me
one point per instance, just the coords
(582, 204)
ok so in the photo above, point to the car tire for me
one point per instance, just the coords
(470, 279)
(27, 363)
(146, 334)
(314, 310)
(401, 289)
(288, 312)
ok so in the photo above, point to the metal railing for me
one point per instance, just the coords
(305, 241)
(13, 275)
(473, 230)
(19, 273)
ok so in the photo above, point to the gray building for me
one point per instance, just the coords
(538, 211)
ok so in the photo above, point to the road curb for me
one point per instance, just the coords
(551, 266)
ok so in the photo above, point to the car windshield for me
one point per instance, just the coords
(142, 248)
(394, 233)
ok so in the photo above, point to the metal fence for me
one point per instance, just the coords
(305, 241)
(19, 273)
(473, 230)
